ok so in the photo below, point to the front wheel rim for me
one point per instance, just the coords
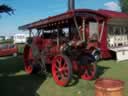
(89, 71)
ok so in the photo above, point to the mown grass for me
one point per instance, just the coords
(6, 41)
(15, 82)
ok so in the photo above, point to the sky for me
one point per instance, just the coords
(27, 11)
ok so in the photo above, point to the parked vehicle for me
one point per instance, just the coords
(75, 50)
(20, 38)
(8, 49)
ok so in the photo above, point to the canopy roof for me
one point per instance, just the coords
(62, 18)
(113, 14)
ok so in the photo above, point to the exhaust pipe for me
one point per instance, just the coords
(71, 5)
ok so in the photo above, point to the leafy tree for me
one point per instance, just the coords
(6, 9)
(124, 5)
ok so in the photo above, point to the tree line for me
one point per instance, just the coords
(124, 5)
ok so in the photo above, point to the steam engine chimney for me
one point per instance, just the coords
(71, 5)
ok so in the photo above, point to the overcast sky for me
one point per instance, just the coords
(27, 11)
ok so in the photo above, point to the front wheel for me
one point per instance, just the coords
(61, 70)
(88, 70)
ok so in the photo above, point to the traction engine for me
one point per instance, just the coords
(61, 42)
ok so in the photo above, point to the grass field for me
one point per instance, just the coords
(15, 82)
(6, 41)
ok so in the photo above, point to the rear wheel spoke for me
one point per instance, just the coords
(58, 63)
(62, 71)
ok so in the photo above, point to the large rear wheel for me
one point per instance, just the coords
(61, 70)
(33, 64)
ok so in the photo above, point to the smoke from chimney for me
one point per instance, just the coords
(71, 5)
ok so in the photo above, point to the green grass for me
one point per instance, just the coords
(6, 41)
(15, 82)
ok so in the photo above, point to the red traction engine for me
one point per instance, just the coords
(59, 42)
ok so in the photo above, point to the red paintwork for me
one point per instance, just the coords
(27, 59)
(75, 66)
(9, 49)
(52, 19)
(86, 75)
(103, 44)
(83, 70)
(113, 14)
(100, 15)
(60, 71)
(51, 49)
(28, 69)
